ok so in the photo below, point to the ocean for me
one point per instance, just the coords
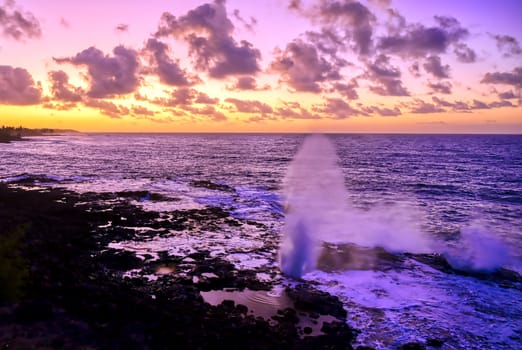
(415, 196)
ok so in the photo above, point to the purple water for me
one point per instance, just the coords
(457, 195)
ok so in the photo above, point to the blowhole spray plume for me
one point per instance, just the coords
(317, 210)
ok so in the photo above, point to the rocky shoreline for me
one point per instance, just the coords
(63, 288)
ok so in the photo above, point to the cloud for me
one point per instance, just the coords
(109, 76)
(250, 106)
(499, 104)
(421, 107)
(208, 32)
(203, 98)
(122, 28)
(107, 108)
(61, 89)
(167, 70)
(479, 105)
(336, 108)
(244, 83)
(419, 40)
(353, 18)
(513, 78)
(464, 53)
(249, 25)
(17, 24)
(347, 90)
(141, 111)
(457, 105)
(461, 106)
(294, 110)
(17, 87)
(65, 23)
(384, 112)
(183, 97)
(434, 66)
(508, 44)
(302, 68)
(386, 76)
(507, 95)
(207, 111)
(443, 87)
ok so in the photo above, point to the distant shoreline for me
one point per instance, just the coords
(9, 133)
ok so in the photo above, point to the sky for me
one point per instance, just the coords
(374, 66)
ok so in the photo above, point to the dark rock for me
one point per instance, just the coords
(212, 186)
(308, 299)
(412, 346)
(437, 343)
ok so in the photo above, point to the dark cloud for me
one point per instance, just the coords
(208, 32)
(508, 44)
(205, 99)
(443, 87)
(293, 110)
(17, 87)
(336, 108)
(507, 95)
(17, 24)
(464, 53)
(107, 108)
(347, 90)
(384, 112)
(499, 104)
(141, 111)
(184, 97)
(513, 78)
(459, 106)
(479, 105)
(386, 76)
(61, 89)
(122, 28)
(354, 19)
(418, 40)
(421, 107)
(208, 112)
(168, 71)
(415, 70)
(328, 44)
(109, 76)
(249, 25)
(302, 68)
(434, 66)
(250, 106)
(244, 83)
(396, 22)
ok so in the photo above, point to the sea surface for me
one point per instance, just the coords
(457, 196)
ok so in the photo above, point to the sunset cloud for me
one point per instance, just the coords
(508, 45)
(513, 78)
(208, 32)
(167, 70)
(17, 87)
(108, 76)
(18, 24)
(386, 77)
(61, 89)
(262, 66)
(302, 68)
(249, 106)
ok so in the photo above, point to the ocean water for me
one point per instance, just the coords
(459, 196)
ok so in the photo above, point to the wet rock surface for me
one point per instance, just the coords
(73, 292)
